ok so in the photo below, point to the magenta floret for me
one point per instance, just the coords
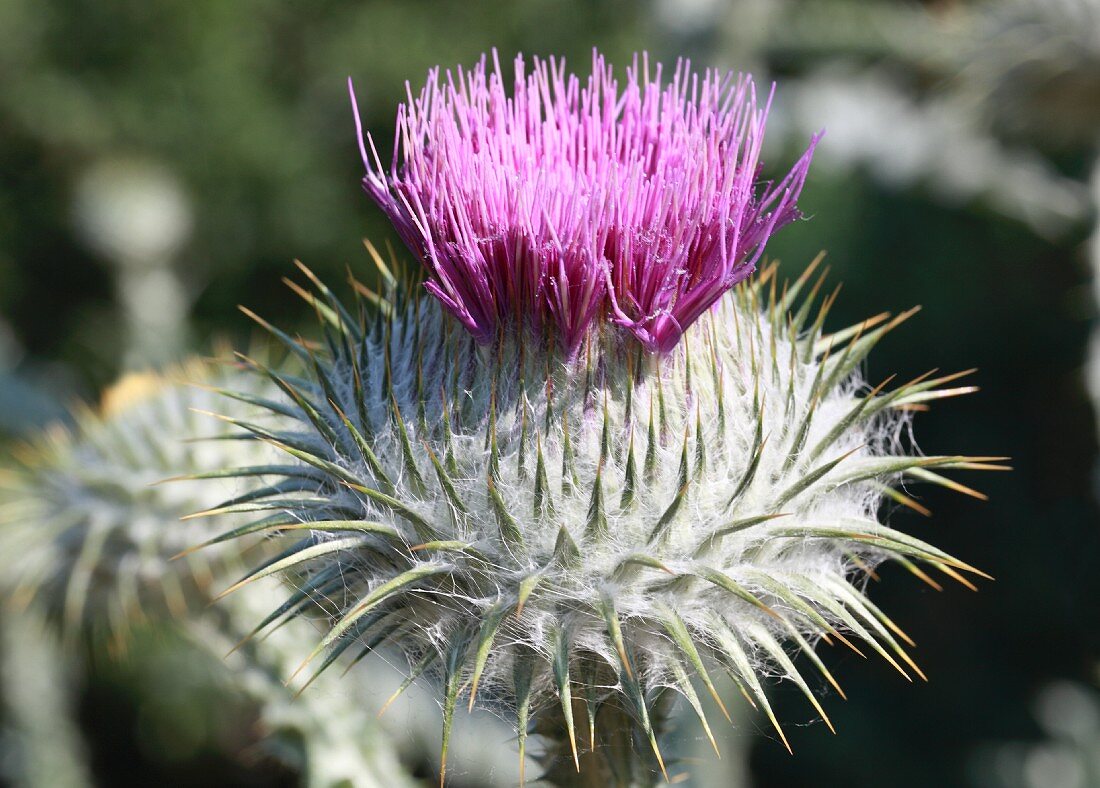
(568, 203)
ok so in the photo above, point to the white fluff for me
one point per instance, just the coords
(456, 431)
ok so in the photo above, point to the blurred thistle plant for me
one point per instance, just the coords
(634, 467)
(1067, 755)
(136, 216)
(955, 96)
(88, 536)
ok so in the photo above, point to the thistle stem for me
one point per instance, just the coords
(340, 742)
(620, 760)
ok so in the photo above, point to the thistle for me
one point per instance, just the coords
(89, 539)
(598, 465)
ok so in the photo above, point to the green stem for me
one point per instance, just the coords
(341, 743)
(40, 727)
(621, 758)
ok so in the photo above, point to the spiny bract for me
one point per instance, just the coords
(85, 533)
(566, 539)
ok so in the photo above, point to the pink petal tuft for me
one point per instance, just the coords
(565, 204)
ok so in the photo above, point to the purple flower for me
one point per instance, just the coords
(566, 204)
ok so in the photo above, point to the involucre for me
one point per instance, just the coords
(568, 540)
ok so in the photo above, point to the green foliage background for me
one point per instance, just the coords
(244, 104)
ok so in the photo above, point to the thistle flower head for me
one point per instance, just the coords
(92, 539)
(567, 204)
(569, 540)
(570, 537)
(85, 531)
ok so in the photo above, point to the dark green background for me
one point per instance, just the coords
(245, 103)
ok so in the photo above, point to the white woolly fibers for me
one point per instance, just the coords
(533, 529)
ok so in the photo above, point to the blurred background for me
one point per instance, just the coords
(162, 162)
